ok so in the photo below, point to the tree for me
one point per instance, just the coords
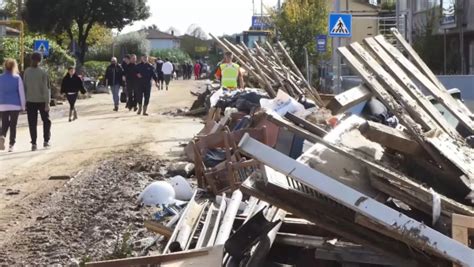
(60, 16)
(298, 22)
(173, 31)
(196, 31)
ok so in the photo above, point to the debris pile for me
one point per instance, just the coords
(376, 176)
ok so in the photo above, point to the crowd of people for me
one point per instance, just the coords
(32, 93)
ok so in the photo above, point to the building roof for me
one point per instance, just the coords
(156, 34)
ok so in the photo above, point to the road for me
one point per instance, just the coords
(99, 132)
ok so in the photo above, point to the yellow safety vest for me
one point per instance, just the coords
(230, 73)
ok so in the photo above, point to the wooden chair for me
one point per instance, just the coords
(228, 174)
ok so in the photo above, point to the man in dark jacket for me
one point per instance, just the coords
(159, 73)
(114, 77)
(132, 78)
(146, 72)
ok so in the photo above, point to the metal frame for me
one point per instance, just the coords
(406, 228)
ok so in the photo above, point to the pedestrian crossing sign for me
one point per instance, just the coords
(41, 46)
(340, 25)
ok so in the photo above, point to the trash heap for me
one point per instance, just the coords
(380, 174)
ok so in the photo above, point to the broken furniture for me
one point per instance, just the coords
(228, 171)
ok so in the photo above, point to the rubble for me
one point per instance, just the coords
(373, 176)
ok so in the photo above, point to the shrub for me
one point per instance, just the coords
(176, 55)
(95, 68)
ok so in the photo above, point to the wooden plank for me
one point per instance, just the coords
(313, 128)
(300, 75)
(312, 209)
(158, 228)
(426, 70)
(340, 251)
(464, 221)
(150, 259)
(266, 83)
(410, 105)
(387, 173)
(349, 99)
(391, 138)
(442, 96)
(400, 225)
(411, 87)
(397, 109)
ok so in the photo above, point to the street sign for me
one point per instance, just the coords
(260, 22)
(41, 46)
(340, 25)
(321, 43)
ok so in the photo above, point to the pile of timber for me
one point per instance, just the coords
(269, 66)
(361, 193)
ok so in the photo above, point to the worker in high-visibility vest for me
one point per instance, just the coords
(229, 73)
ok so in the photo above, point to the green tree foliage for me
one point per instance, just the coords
(60, 16)
(132, 43)
(298, 23)
(428, 44)
(96, 68)
(175, 55)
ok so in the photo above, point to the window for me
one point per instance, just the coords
(423, 5)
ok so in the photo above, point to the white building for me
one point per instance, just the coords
(162, 40)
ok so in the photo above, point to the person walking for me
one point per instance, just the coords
(71, 86)
(38, 95)
(197, 70)
(146, 72)
(159, 73)
(114, 77)
(12, 101)
(168, 71)
(132, 83)
(229, 73)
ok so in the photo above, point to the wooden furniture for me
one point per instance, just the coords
(228, 174)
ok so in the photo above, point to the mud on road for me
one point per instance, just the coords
(86, 218)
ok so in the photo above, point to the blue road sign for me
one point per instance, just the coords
(321, 43)
(41, 46)
(340, 25)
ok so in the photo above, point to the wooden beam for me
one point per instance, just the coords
(420, 116)
(158, 228)
(441, 95)
(348, 99)
(427, 71)
(426, 239)
(300, 75)
(396, 108)
(313, 128)
(313, 209)
(386, 172)
(391, 138)
(266, 83)
(411, 87)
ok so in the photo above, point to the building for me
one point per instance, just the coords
(365, 22)
(162, 40)
(453, 22)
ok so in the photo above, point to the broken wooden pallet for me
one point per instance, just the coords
(382, 72)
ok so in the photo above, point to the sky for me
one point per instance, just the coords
(215, 16)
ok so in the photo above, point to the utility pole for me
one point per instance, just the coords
(461, 35)
(336, 60)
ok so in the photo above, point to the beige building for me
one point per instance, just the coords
(364, 18)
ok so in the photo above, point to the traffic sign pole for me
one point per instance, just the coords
(335, 56)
